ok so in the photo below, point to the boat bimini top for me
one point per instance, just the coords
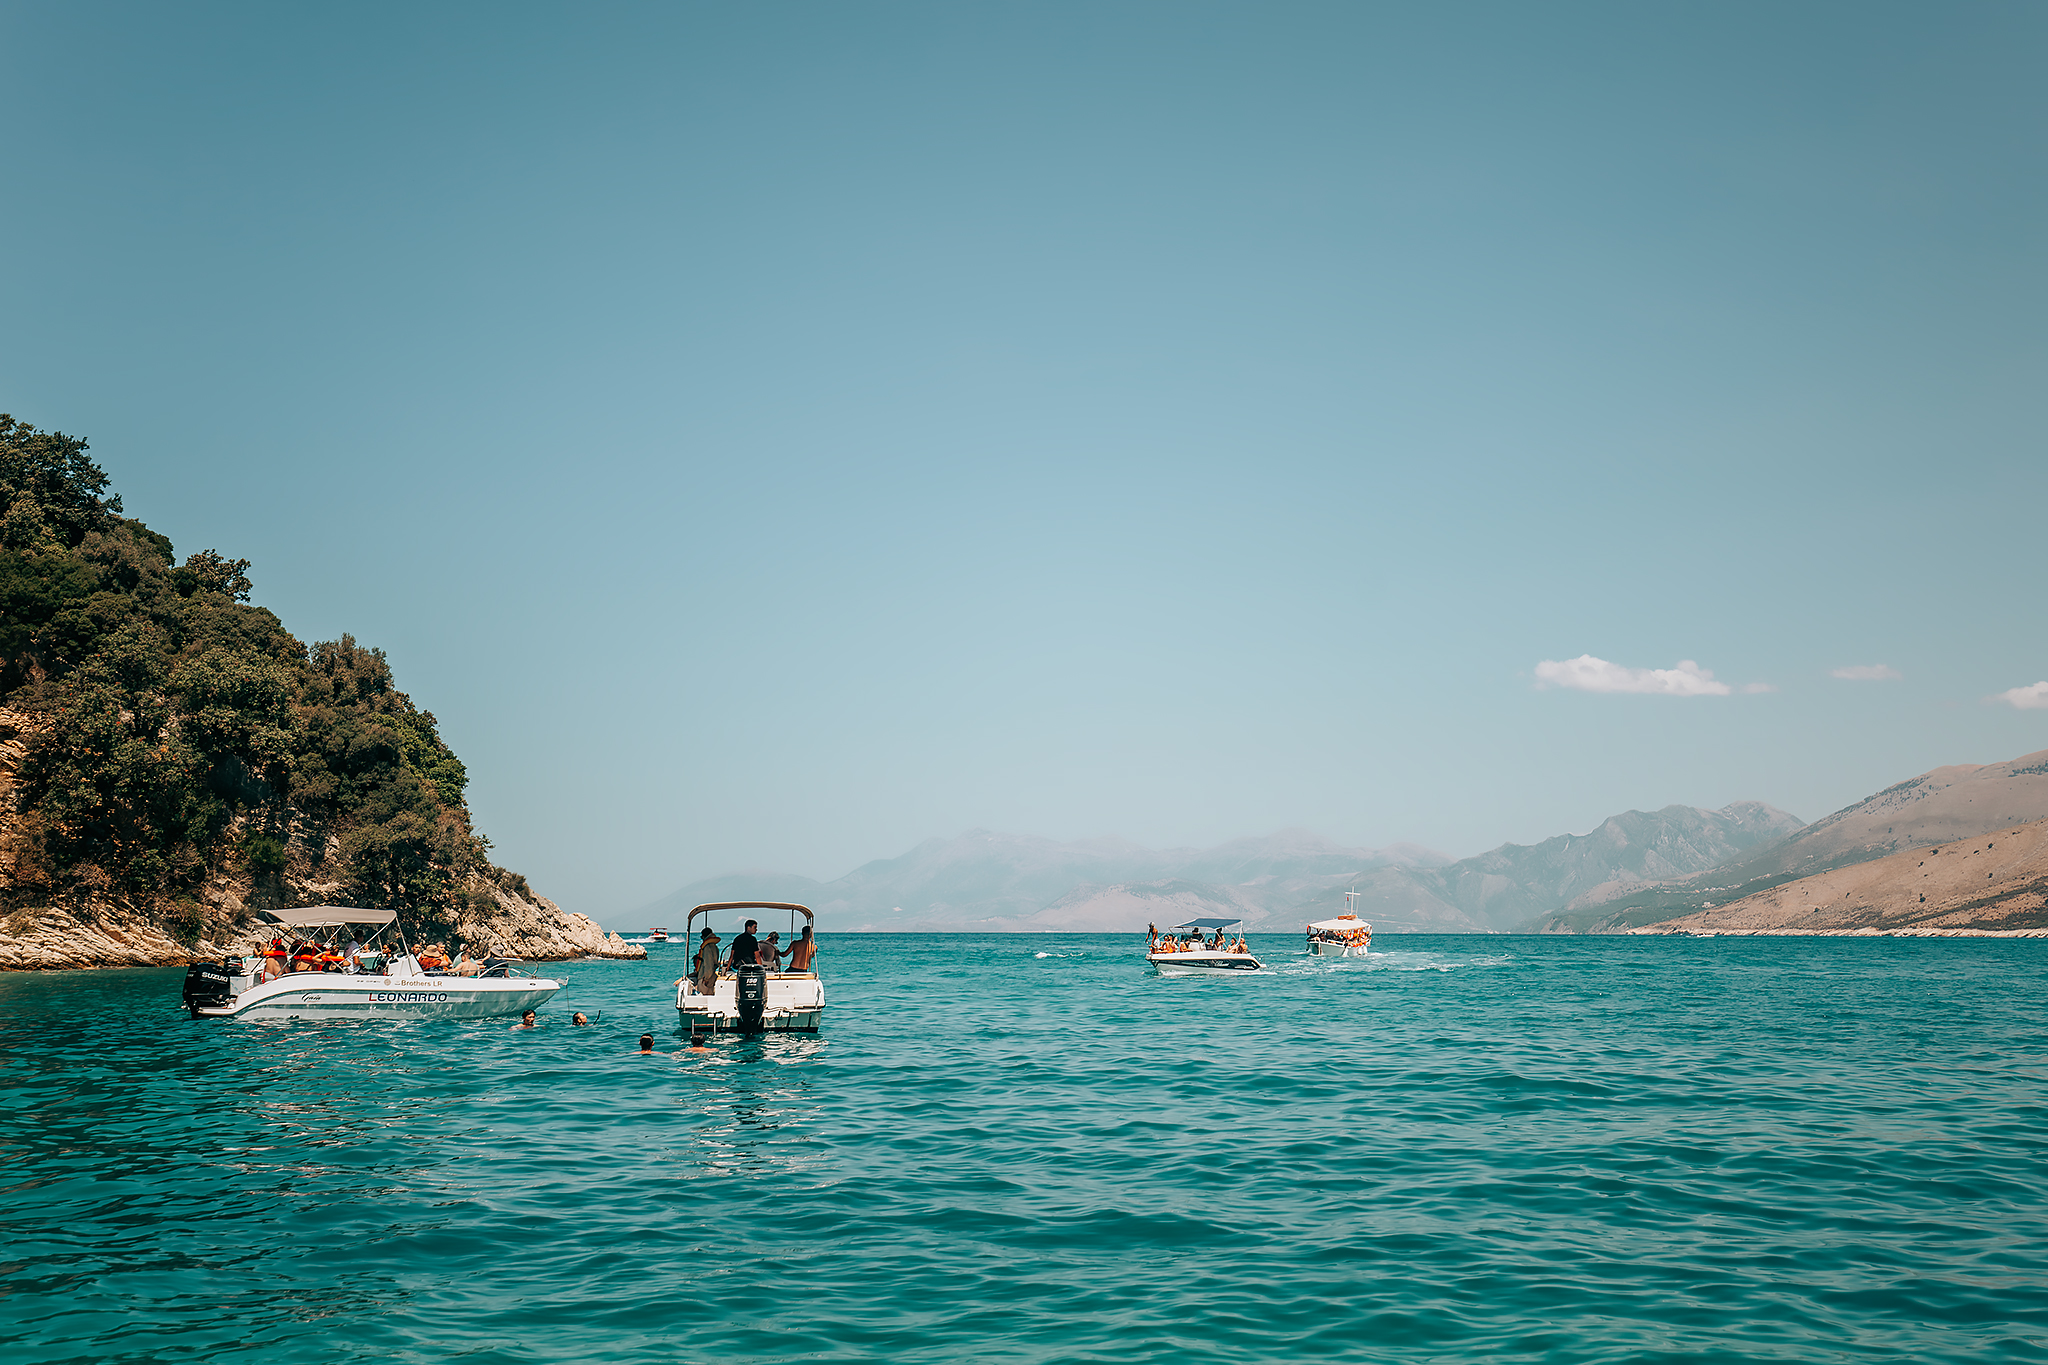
(711, 907)
(1203, 924)
(328, 916)
(1343, 924)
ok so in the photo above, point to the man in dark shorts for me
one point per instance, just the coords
(746, 948)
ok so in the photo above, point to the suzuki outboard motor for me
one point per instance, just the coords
(753, 997)
(206, 983)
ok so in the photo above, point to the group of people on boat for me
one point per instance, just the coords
(750, 951)
(305, 955)
(1349, 936)
(1220, 942)
(308, 955)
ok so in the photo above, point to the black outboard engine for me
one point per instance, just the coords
(206, 983)
(753, 997)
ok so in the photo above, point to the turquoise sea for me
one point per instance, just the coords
(1018, 1148)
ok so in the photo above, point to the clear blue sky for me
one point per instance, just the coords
(771, 435)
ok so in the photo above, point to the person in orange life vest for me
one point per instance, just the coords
(305, 958)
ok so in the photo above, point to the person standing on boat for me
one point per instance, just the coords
(804, 951)
(707, 962)
(746, 949)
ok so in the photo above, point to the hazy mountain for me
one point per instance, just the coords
(1501, 888)
(982, 880)
(1938, 807)
(1995, 883)
(988, 881)
(668, 912)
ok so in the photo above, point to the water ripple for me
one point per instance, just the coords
(1032, 1150)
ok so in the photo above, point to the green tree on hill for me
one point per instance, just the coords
(183, 735)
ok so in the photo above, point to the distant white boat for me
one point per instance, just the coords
(1345, 936)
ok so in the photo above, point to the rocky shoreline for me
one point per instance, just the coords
(111, 934)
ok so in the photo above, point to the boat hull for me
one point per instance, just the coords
(1339, 949)
(795, 1003)
(332, 995)
(1203, 962)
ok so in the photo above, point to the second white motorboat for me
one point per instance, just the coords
(751, 998)
(1174, 956)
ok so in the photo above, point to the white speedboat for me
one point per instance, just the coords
(750, 999)
(368, 984)
(1174, 955)
(656, 936)
(1345, 936)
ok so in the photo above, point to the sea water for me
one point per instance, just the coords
(1031, 1148)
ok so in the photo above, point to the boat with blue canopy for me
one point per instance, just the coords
(1200, 945)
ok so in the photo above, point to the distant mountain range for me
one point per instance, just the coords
(1500, 890)
(1636, 869)
(988, 882)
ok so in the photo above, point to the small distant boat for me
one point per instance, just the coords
(1173, 956)
(372, 983)
(656, 936)
(1345, 936)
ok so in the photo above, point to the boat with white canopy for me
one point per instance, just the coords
(1185, 948)
(1345, 936)
(751, 997)
(318, 980)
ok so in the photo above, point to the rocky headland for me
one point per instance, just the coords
(174, 761)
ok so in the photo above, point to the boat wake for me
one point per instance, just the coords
(1390, 961)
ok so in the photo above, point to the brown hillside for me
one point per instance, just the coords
(1942, 806)
(1996, 883)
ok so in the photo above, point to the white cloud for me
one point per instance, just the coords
(1867, 672)
(2033, 698)
(1754, 688)
(1588, 674)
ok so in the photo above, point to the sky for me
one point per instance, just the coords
(769, 436)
